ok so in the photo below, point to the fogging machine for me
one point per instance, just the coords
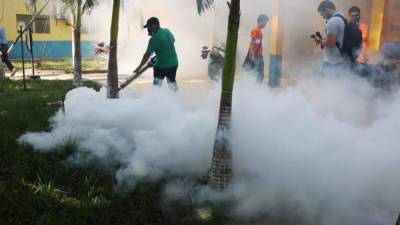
(135, 76)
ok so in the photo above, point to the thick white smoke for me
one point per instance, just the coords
(314, 158)
(137, 131)
(321, 161)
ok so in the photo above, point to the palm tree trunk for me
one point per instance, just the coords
(221, 165)
(77, 54)
(112, 76)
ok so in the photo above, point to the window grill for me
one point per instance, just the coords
(40, 26)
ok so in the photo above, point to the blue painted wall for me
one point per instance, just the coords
(53, 49)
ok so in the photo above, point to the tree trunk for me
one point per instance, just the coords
(77, 54)
(2, 75)
(112, 76)
(221, 165)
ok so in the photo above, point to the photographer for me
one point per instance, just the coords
(355, 16)
(334, 61)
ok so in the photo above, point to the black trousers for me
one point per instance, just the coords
(4, 56)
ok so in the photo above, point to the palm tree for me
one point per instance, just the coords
(112, 76)
(221, 165)
(77, 9)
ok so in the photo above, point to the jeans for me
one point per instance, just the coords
(256, 66)
(259, 67)
(4, 56)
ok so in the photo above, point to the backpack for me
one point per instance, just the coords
(352, 41)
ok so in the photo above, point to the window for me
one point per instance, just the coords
(40, 26)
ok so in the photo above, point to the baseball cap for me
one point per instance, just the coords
(152, 21)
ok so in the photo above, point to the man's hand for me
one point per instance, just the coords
(317, 41)
(145, 58)
(330, 41)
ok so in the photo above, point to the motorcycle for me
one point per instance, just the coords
(216, 61)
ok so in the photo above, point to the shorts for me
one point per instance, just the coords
(169, 73)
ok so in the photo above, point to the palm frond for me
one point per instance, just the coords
(89, 4)
(31, 5)
(203, 5)
(69, 3)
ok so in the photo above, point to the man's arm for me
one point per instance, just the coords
(333, 28)
(254, 45)
(146, 56)
(365, 32)
(145, 59)
(330, 41)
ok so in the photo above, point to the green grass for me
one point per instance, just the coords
(43, 189)
(60, 64)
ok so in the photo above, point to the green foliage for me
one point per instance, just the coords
(31, 6)
(203, 5)
(87, 4)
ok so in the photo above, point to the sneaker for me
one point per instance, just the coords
(13, 72)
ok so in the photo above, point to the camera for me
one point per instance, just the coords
(317, 37)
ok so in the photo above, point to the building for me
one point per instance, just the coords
(52, 33)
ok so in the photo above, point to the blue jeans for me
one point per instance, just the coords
(256, 66)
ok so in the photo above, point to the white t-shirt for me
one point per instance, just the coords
(335, 26)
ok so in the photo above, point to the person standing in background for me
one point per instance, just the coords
(355, 16)
(255, 58)
(4, 49)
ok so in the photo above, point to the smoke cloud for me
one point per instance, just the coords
(319, 161)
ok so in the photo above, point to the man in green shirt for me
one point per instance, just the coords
(162, 43)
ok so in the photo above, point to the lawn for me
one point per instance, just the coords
(61, 64)
(43, 189)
